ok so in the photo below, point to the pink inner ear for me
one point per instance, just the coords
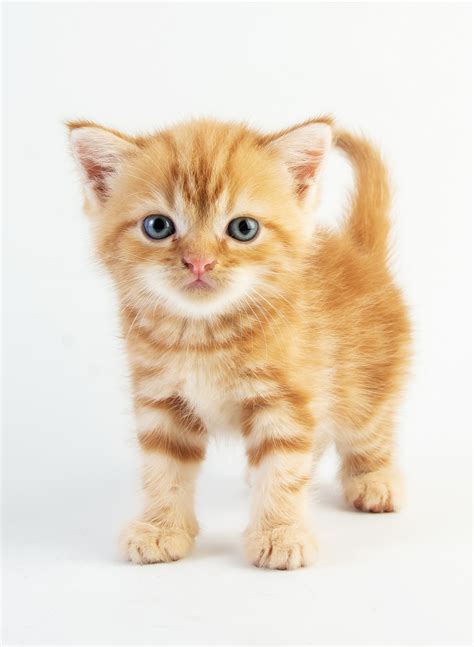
(306, 170)
(96, 172)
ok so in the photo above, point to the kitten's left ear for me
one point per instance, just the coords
(100, 153)
(303, 149)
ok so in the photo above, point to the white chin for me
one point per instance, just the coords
(198, 304)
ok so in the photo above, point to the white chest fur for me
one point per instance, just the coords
(201, 384)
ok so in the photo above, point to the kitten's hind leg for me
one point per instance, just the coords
(370, 479)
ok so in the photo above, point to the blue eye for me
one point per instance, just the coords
(158, 227)
(243, 228)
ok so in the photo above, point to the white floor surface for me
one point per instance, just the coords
(381, 579)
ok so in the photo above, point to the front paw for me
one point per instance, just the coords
(283, 548)
(145, 543)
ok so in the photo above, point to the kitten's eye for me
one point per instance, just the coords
(243, 228)
(158, 227)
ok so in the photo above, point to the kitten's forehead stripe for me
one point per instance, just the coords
(172, 153)
(200, 174)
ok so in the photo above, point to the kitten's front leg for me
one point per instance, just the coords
(172, 441)
(279, 437)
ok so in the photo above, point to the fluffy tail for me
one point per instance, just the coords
(368, 224)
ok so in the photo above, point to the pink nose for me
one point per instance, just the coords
(198, 266)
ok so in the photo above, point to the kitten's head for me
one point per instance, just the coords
(204, 217)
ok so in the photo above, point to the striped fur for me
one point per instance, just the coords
(303, 337)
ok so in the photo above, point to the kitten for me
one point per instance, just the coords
(237, 314)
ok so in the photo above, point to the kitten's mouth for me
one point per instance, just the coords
(198, 285)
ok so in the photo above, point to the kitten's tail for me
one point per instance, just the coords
(368, 224)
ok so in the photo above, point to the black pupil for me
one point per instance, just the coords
(159, 224)
(244, 227)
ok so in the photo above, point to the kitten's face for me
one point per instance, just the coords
(202, 219)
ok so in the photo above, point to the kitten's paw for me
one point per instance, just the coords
(145, 543)
(380, 491)
(283, 548)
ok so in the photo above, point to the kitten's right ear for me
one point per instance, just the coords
(99, 153)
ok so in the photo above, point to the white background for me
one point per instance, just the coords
(400, 72)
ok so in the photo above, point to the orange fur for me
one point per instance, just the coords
(303, 336)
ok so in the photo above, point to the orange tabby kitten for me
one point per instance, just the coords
(237, 314)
